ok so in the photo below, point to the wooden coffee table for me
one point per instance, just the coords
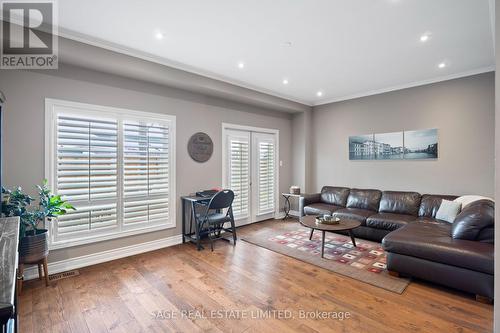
(344, 225)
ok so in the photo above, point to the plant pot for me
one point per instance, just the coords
(34, 246)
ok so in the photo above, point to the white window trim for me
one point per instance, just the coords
(50, 163)
(229, 126)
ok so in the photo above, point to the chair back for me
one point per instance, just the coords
(223, 199)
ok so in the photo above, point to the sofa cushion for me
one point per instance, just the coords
(433, 242)
(400, 202)
(320, 209)
(388, 221)
(364, 199)
(430, 204)
(334, 195)
(473, 218)
(354, 214)
(424, 219)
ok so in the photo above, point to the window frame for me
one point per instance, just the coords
(52, 109)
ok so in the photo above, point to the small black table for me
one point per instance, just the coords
(188, 205)
(287, 205)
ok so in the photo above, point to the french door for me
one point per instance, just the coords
(250, 170)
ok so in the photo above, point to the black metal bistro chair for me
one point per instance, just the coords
(213, 218)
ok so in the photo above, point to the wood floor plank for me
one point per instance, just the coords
(26, 316)
(40, 309)
(134, 294)
(242, 284)
(193, 301)
(116, 316)
(285, 295)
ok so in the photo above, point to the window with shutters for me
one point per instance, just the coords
(115, 166)
(145, 172)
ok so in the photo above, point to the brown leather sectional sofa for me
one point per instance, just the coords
(458, 254)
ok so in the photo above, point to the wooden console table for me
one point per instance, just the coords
(9, 242)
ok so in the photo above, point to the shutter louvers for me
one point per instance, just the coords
(239, 175)
(87, 172)
(266, 177)
(87, 218)
(146, 172)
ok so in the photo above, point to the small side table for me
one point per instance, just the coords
(287, 205)
(344, 225)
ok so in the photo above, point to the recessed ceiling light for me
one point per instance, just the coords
(159, 35)
(424, 38)
(285, 81)
(241, 65)
(442, 65)
(319, 93)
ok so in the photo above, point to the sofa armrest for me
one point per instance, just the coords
(307, 199)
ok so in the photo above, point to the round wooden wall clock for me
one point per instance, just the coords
(200, 147)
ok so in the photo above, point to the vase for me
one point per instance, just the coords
(34, 246)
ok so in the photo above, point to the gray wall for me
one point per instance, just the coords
(301, 149)
(462, 110)
(24, 130)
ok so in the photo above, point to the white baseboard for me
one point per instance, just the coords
(97, 258)
(281, 215)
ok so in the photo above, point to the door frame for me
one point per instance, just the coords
(276, 132)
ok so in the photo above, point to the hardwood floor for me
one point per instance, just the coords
(137, 294)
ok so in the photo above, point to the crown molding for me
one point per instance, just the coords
(82, 38)
(110, 46)
(408, 85)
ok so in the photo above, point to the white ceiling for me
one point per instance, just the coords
(344, 48)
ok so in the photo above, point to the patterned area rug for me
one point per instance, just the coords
(366, 262)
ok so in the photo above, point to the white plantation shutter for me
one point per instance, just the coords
(87, 172)
(239, 174)
(86, 218)
(266, 175)
(146, 172)
(115, 166)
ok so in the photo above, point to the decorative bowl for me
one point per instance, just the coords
(327, 219)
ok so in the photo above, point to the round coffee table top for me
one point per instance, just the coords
(344, 224)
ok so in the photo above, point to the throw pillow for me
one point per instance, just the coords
(448, 210)
(467, 199)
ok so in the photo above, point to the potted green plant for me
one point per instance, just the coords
(33, 240)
